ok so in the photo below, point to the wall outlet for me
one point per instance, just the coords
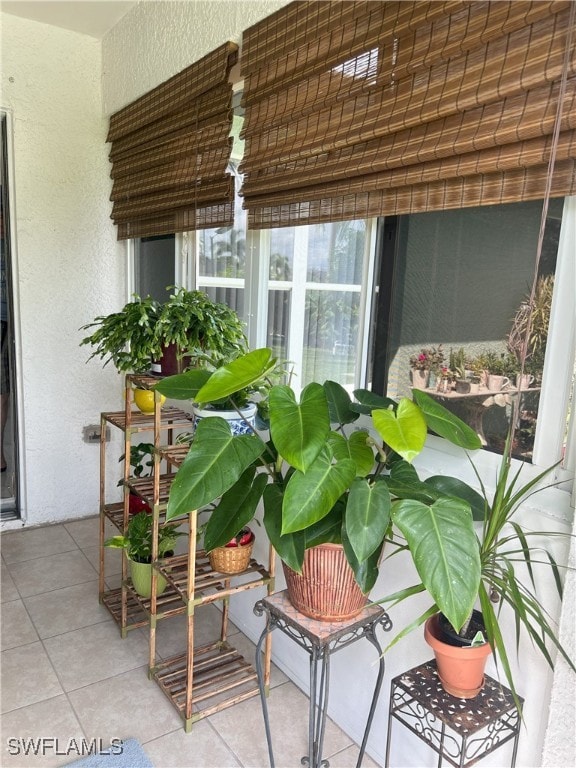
(91, 434)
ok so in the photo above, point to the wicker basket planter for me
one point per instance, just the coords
(231, 560)
(326, 590)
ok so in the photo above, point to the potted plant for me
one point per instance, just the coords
(188, 325)
(428, 362)
(527, 338)
(234, 556)
(142, 463)
(127, 338)
(239, 409)
(501, 370)
(322, 489)
(458, 364)
(137, 543)
(497, 569)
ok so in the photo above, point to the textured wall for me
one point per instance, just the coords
(70, 268)
(157, 39)
(560, 741)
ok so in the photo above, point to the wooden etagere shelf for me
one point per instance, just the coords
(222, 678)
(199, 681)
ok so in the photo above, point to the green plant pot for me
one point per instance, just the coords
(141, 575)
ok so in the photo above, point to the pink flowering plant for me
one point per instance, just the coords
(428, 359)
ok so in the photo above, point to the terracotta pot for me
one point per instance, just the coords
(326, 590)
(461, 670)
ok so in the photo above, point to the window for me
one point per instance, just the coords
(315, 299)
(221, 259)
(458, 281)
(154, 266)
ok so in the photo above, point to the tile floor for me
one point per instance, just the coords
(67, 675)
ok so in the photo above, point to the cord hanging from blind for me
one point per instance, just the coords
(170, 151)
(358, 109)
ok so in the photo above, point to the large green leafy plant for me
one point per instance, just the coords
(322, 482)
(126, 338)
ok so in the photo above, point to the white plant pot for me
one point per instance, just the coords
(238, 425)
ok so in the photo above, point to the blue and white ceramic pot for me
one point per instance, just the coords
(238, 425)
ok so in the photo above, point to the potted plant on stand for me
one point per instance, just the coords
(239, 409)
(426, 365)
(127, 338)
(142, 464)
(190, 324)
(492, 568)
(325, 493)
(137, 543)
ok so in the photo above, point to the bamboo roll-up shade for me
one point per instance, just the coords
(170, 152)
(357, 109)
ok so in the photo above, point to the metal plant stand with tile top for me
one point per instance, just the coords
(462, 731)
(320, 639)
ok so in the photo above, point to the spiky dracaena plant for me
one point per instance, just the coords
(508, 554)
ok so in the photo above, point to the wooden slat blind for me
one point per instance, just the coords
(170, 150)
(356, 109)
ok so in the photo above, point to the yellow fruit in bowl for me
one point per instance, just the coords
(144, 399)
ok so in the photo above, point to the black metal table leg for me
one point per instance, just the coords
(319, 639)
(263, 697)
(370, 634)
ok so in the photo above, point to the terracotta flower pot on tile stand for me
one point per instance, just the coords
(326, 590)
(460, 669)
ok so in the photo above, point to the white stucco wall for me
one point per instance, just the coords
(69, 266)
(560, 742)
(157, 39)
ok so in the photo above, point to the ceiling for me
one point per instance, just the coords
(90, 17)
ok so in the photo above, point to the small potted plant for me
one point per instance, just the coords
(137, 543)
(426, 362)
(234, 556)
(501, 370)
(459, 366)
(445, 380)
